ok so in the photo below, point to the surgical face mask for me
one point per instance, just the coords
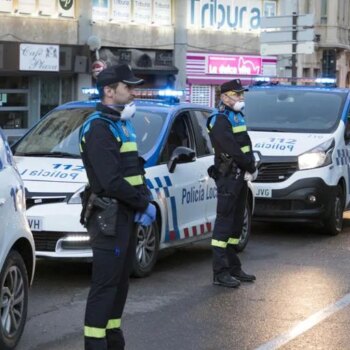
(128, 112)
(239, 106)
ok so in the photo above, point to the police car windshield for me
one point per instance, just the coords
(293, 110)
(58, 133)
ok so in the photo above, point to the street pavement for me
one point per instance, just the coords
(301, 275)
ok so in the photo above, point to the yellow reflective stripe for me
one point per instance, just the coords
(245, 149)
(114, 323)
(239, 128)
(134, 180)
(128, 147)
(81, 148)
(233, 241)
(94, 332)
(220, 244)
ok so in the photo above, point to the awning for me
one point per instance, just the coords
(167, 70)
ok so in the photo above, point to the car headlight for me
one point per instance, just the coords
(75, 198)
(318, 157)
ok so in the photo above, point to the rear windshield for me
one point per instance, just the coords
(58, 133)
(291, 110)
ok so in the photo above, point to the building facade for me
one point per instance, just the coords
(50, 49)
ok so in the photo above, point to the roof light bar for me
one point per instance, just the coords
(89, 91)
(167, 95)
(289, 80)
(325, 80)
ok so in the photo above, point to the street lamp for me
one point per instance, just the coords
(94, 43)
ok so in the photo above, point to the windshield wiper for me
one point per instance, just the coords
(48, 154)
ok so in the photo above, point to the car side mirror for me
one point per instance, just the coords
(181, 155)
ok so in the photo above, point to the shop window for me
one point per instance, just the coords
(200, 94)
(53, 92)
(14, 102)
(13, 119)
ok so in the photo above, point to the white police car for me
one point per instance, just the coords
(17, 257)
(301, 137)
(172, 138)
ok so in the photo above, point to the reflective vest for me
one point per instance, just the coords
(239, 127)
(124, 134)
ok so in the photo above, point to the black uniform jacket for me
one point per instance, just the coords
(101, 157)
(225, 141)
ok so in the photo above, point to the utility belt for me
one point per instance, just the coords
(227, 167)
(108, 211)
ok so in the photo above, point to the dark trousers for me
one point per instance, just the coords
(109, 286)
(231, 202)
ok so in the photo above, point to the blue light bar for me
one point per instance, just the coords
(262, 79)
(169, 93)
(89, 91)
(325, 80)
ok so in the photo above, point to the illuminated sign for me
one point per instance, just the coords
(242, 15)
(241, 65)
(121, 10)
(26, 6)
(6, 5)
(66, 8)
(143, 11)
(162, 12)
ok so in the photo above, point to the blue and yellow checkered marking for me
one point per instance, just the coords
(161, 187)
(343, 157)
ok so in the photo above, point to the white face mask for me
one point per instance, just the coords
(128, 112)
(239, 106)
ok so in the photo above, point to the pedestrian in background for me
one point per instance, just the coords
(117, 197)
(234, 165)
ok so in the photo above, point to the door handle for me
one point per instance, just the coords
(203, 179)
(2, 201)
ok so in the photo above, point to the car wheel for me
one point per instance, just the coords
(13, 300)
(334, 223)
(247, 223)
(147, 247)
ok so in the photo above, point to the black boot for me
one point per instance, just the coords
(243, 277)
(226, 280)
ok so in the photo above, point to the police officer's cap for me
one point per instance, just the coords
(116, 74)
(232, 85)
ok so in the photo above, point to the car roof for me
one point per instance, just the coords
(300, 87)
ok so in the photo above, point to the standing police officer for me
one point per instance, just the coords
(234, 164)
(118, 196)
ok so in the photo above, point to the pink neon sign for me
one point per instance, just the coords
(242, 65)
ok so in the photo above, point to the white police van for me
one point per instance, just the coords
(172, 138)
(301, 139)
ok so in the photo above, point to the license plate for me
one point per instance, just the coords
(263, 192)
(35, 223)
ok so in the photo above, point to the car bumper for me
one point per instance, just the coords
(58, 233)
(306, 200)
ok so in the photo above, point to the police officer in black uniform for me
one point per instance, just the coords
(233, 164)
(116, 199)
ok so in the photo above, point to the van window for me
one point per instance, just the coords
(292, 110)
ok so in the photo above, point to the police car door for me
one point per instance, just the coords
(341, 157)
(186, 191)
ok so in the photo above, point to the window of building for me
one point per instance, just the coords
(306, 72)
(324, 11)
